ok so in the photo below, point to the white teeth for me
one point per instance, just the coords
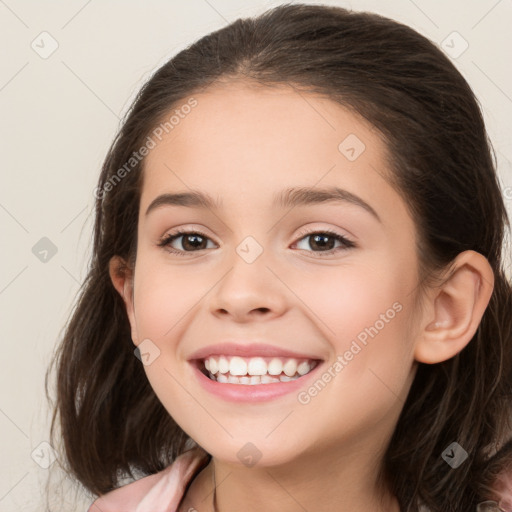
(257, 366)
(256, 370)
(237, 366)
(252, 380)
(275, 367)
(290, 367)
(223, 365)
(213, 365)
(303, 368)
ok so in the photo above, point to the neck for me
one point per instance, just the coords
(322, 482)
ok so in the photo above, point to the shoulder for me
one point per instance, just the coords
(162, 491)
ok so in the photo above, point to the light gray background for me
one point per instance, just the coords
(59, 115)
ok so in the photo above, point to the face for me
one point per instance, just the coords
(303, 269)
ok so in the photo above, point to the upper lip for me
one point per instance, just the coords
(244, 349)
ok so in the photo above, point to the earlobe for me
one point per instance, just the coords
(122, 279)
(455, 309)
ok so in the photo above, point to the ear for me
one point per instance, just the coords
(454, 310)
(122, 279)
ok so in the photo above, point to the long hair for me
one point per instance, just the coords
(442, 165)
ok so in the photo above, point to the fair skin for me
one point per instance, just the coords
(243, 144)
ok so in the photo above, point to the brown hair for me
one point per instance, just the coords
(111, 421)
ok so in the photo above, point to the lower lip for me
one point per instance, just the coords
(254, 392)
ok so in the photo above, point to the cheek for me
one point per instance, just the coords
(371, 368)
(364, 315)
(351, 301)
(163, 297)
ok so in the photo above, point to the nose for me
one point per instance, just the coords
(249, 292)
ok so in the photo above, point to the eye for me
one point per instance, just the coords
(193, 240)
(325, 239)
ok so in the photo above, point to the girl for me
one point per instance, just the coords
(297, 299)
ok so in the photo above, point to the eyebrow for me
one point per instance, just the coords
(287, 198)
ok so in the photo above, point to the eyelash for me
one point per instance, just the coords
(348, 244)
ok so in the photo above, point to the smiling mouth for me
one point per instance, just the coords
(255, 370)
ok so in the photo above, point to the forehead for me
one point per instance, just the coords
(245, 140)
(278, 122)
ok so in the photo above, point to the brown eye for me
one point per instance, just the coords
(324, 242)
(191, 241)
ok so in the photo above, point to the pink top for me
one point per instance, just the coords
(161, 492)
(164, 491)
(503, 490)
